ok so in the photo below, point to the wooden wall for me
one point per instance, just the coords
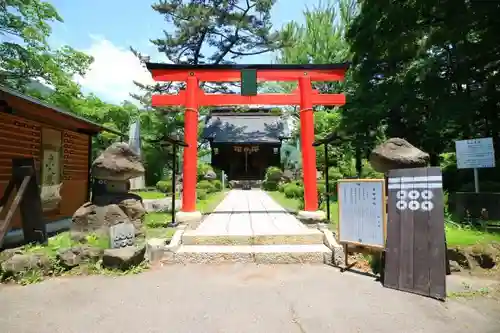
(21, 137)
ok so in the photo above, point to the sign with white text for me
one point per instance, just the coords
(475, 153)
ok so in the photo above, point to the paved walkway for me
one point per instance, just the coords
(234, 299)
(251, 212)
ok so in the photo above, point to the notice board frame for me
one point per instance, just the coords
(372, 247)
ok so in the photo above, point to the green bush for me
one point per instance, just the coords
(206, 185)
(369, 172)
(281, 187)
(270, 185)
(273, 174)
(203, 168)
(293, 191)
(164, 186)
(334, 174)
(217, 184)
(201, 194)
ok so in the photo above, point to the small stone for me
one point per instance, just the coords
(23, 262)
(455, 267)
(134, 209)
(210, 175)
(460, 257)
(155, 249)
(123, 258)
(74, 256)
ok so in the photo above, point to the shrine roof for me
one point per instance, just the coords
(245, 127)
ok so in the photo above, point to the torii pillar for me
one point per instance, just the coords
(193, 97)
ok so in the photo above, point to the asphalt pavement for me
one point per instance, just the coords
(234, 299)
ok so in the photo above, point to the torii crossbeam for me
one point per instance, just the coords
(194, 97)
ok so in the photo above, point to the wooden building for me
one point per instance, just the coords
(245, 144)
(59, 142)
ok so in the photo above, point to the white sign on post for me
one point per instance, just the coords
(362, 217)
(475, 154)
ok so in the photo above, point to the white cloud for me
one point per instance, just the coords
(113, 71)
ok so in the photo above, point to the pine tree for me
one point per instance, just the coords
(215, 32)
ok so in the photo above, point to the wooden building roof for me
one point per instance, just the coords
(245, 127)
(34, 109)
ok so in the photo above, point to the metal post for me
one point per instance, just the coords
(174, 166)
(476, 180)
(223, 180)
(327, 184)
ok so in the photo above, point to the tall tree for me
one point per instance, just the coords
(24, 51)
(321, 40)
(427, 70)
(215, 32)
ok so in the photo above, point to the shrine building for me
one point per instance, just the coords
(245, 143)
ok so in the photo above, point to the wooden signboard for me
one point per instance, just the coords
(415, 252)
(362, 216)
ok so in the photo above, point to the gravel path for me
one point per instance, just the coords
(232, 299)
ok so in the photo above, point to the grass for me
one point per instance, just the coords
(455, 235)
(290, 204)
(211, 202)
(466, 236)
(155, 225)
(151, 194)
(293, 205)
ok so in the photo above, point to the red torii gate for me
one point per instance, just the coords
(193, 97)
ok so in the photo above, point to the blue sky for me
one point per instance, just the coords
(106, 28)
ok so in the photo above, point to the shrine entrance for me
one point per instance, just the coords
(245, 143)
(193, 97)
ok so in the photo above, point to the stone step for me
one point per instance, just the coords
(305, 236)
(261, 254)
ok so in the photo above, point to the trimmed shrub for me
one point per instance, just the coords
(164, 186)
(281, 187)
(217, 184)
(273, 174)
(270, 185)
(206, 185)
(293, 191)
(201, 194)
(203, 168)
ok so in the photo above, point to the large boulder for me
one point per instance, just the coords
(397, 153)
(90, 217)
(119, 162)
(106, 211)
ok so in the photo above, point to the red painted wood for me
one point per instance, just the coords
(191, 151)
(236, 99)
(194, 97)
(306, 140)
(232, 75)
